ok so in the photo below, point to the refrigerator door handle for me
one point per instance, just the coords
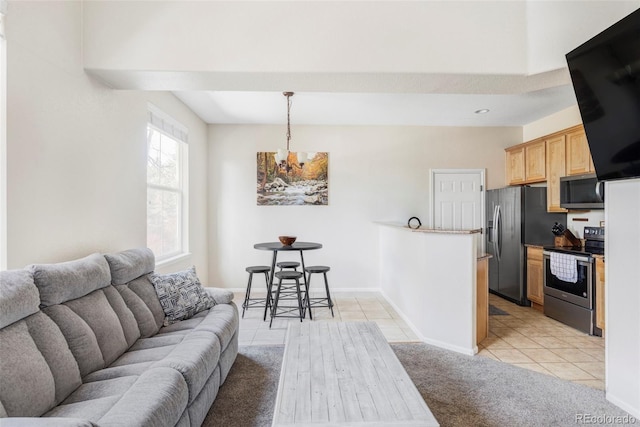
(498, 232)
(491, 227)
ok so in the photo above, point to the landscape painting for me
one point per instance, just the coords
(294, 181)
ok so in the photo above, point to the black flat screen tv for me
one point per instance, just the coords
(605, 72)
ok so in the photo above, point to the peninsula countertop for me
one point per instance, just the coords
(426, 229)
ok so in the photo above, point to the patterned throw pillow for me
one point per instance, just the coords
(181, 295)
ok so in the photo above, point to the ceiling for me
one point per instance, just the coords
(422, 63)
(406, 109)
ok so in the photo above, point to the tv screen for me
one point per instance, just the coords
(605, 72)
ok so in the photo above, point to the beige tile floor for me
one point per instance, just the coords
(527, 338)
(524, 338)
(349, 306)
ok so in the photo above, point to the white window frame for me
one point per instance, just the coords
(168, 126)
(3, 139)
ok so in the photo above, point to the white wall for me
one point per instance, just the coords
(555, 28)
(561, 120)
(3, 140)
(76, 149)
(375, 173)
(576, 222)
(622, 284)
(413, 268)
(290, 36)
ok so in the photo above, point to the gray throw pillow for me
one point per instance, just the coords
(181, 295)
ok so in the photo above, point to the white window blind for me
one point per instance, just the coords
(167, 124)
(167, 186)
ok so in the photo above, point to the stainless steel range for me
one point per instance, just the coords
(570, 298)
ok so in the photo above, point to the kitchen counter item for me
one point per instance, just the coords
(568, 239)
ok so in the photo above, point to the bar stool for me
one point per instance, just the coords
(288, 264)
(317, 302)
(252, 302)
(288, 296)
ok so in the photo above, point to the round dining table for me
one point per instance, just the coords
(276, 247)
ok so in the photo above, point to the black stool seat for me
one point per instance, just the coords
(258, 269)
(317, 269)
(288, 274)
(288, 264)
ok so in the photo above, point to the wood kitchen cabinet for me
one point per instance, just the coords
(600, 293)
(482, 299)
(579, 160)
(515, 165)
(556, 168)
(526, 163)
(535, 272)
(535, 161)
(548, 159)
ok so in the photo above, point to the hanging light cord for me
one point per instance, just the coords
(288, 95)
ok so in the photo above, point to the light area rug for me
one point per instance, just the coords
(460, 391)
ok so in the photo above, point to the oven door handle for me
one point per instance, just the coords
(578, 257)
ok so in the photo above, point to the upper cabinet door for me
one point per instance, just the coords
(535, 160)
(556, 153)
(515, 166)
(578, 155)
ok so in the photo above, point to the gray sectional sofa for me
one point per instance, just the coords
(82, 343)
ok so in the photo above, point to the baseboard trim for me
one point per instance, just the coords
(440, 344)
(635, 412)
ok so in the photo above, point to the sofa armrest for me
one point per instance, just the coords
(45, 422)
(219, 295)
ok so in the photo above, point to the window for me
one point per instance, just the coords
(167, 186)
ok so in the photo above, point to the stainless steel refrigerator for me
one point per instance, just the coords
(515, 216)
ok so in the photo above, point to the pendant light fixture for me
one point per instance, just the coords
(282, 155)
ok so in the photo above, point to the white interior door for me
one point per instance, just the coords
(457, 199)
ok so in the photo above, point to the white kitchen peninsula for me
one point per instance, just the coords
(429, 277)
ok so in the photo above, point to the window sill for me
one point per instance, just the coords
(173, 260)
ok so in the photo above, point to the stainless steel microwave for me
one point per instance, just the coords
(581, 192)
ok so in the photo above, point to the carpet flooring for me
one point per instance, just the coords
(460, 390)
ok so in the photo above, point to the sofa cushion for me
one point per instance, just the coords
(196, 357)
(66, 281)
(181, 295)
(80, 338)
(125, 316)
(130, 264)
(19, 297)
(157, 397)
(144, 317)
(220, 296)
(194, 354)
(222, 320)
(151, 319)
(98, 327)
(38, 369)
(27, 388)
(51, 422)
(53, 346)
(103, 320)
